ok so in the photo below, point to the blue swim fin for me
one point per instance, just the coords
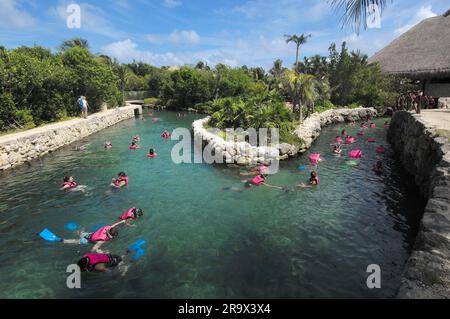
(72, 226)
(302, 168)
(139, 253)
(49, 236)
(137, 245)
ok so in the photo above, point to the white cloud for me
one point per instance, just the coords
(93, 19)
(172, 3)
(176, 37)
(423, 13)
(11, 15)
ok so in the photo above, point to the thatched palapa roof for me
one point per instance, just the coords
(421, 52)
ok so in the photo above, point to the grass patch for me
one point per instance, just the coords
(151, 100)
(443, 133)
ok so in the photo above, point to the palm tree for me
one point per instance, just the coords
(75, 42)
(301, 89)
(298, 40)
(357, 11)
(277, 68)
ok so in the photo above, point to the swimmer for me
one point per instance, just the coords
(166, 135)
(338, 139)
(386, 124)
(133, 146)
(152, 153)
(136, 139)
(344, 133)
(350, 140)
(378, 167)
(313, 181)
(131, 214)
(108, 145)
(353, 123)
(363, 125)
(95, 262)
(337, 149)
(259, 180)
(373, 125)
(120, 181)
(98, 238)
(68, 183)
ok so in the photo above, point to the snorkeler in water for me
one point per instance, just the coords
(98, 238)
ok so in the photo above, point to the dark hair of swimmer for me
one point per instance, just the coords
(113, 232)
(151, 151)
(122, 174)
(67, 178)
(133, 143)
(313, 174)
(83, 263)
(139, 212)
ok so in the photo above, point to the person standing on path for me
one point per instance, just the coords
(84, 106)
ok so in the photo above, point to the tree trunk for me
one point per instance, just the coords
(300, 106)
(296, 58)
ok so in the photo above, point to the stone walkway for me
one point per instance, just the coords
(54, 126)
(437, 118)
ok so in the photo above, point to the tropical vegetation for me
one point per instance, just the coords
(39, 86)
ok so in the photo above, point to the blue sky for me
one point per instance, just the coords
(175, 32)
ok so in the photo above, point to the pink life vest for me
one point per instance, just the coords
(152, 155)
(129, 214)
(316, 179)
(350, 140)
(122, 179)
(166, 135)
(373, 125)
(133, 147)
(95, 259)
(356, 154)
(314, 158)
(371, 140)
(338, 139)
(100, 234)
(69, 184)
(258, 180)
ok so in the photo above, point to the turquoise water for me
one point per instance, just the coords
(205, 237)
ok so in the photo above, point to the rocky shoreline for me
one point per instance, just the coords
(426, 156)
(19, 148)
(242, 153)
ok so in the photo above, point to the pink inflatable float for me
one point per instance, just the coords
(314, 158)
(371, 140)
(356, 154)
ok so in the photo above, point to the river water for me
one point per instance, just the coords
(206, 238)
